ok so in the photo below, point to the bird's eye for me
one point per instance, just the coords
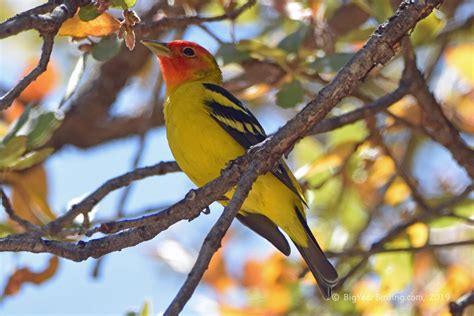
(189, 52)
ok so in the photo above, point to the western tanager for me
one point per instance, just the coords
(207, 127)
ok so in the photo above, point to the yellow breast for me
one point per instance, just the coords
(202, 148)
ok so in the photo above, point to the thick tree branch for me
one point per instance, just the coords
(46, 18)
(437, 126)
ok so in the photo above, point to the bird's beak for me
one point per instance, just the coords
(160, 49)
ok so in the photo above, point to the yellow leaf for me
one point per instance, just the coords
(397, 192)
(394, 269)
(382, 170)
(460, 58)
(366, 295)
(462, 109)
(103, 25)
(30, 194)
(407, 109)
(278, 299)
(332, 159)
(418, 234)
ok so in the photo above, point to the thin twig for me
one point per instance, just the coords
(13, 93)
(13, 216)
(113, 184)
(212, 243)
(356, 252)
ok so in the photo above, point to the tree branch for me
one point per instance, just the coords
(48, 26)
(212, 243)
(113, 184)
(13, 216)
(437, 126)
(370, 252)
(458, 307)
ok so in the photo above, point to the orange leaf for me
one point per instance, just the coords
(25, 275)
(103, 25)
(13, 112)
(217, 275)
(39, 88)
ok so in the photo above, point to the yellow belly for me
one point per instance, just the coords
(202, 149)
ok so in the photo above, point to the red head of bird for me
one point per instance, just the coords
(184, 61)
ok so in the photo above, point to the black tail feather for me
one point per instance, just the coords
(322, 270)
(267, 229)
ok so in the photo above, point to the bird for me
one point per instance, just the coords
(207, 127)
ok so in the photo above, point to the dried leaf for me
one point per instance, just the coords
(25, 275)
(103, 25)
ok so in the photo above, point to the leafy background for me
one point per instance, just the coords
(351, 175)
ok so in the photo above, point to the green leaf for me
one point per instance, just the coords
(293, 41)
(230, 54)
(395, 269)
(11, 151)
(428, 28)
(331, 63)
(88, 12)
(124, 4)
(6, 230)
(380, 9)
(465, 208)
(107, 48)
(75, 78)
(290, 94)
(260, 50)
(444, 222)
(355, 132)
(352, 212)
(17, 125)
(357, 35)
(44, 126)
(31, 159)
